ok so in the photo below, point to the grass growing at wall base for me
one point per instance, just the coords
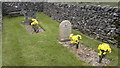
(22, 49)
(0, 48)
(92, 43)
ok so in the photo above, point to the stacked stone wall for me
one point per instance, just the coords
(99, 22)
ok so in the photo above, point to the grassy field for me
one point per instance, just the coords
(23, 49)
(0, 48)
(90, 42)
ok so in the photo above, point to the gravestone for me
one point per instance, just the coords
(28, 14)
(64, 30)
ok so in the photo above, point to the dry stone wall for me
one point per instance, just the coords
(9, 7)
(0, 19)
(99, 22)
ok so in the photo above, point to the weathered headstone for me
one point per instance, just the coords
(65, 30)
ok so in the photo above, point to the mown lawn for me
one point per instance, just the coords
(23, 49)
(1, 48)
(92, 43)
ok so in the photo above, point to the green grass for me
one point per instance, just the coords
(0, 48)
(90, 42)
(23, 49)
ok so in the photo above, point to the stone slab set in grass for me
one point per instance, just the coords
(90, 56)
(23, 49)
(87, 54)
(30, 29)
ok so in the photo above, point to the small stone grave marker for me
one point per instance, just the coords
(64, 30)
